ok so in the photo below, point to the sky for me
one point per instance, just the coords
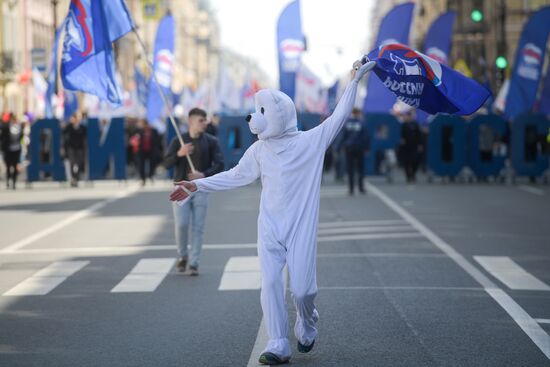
(336, 32)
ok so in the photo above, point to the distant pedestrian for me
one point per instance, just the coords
(204, 151)
(12, 134)
(355, 143)
(74, 142)
(213, 125)
(149, 152)
(411, 144)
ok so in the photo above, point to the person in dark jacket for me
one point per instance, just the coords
(204, 152)
(355, 142)
(12, 133)
(411, 144)
(149, 150)
(74, 142)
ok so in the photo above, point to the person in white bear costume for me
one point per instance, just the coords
(290, 164)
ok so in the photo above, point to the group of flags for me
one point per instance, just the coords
(421, 79)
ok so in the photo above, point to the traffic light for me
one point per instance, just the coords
(477, 15)
(501, 62)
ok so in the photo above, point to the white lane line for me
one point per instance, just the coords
(361, 223)
(543, 321)
(510, 273)
(65, 222)
(525, 322)
(47, 279)
(338, 288)
(380, 254)
(145, 276)
(241, 272)
(262, 338)
(327, 231)
(380, 236)
(531, 190)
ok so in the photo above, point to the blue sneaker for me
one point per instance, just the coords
(272, 359)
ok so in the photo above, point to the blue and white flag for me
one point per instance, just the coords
(290, 45)
(141, 86)
(52, 75)
(424, 83)
(88, 63)
(544, 102)
(526, 76)
(70, 102)
(162, 67)
(437, 45)
(394, 28)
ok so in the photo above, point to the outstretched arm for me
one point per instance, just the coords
(244, 173)
(326, 132)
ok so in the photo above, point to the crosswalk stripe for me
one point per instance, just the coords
(47, 279)
(326, 231)
(374, 236)
(145, 276)
(241, 272)
(356, 223)
(508, 272)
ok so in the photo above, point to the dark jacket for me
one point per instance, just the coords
(211, 157)
(355, 136)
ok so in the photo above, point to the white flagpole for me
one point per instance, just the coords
(164, 99)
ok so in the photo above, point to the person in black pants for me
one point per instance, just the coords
(411, 145)
(149, 152)
(355, 142)
(74, 142)
(12, 133)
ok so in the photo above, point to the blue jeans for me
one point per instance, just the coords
(193, 210)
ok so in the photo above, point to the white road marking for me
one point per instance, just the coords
(397, 288)
(361, 223)
(326, 231)
(145, 276)
(524, 321)
(380, 254)
(377, 236)
(543, 321)
(47, 279)
(531, 190)
(508, 272)
(262, 337)
(241, 272)
(67, 221)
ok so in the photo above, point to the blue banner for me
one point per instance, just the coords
(290, 45)
(141, 86)
(88, 63)
(394, 28)
(162, 67)
(528, 64)
(52, 75)
(70, 103)
(424, 83)
(437, 45)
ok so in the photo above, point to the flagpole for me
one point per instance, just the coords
(164, 99)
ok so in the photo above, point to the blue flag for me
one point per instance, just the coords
(71, 104)
(141, 86)
(88, 63)
(437, 45)
(52, 75)
(290, 45)
(544, 103)
(162, 67)
(394, 28)
(333, 96)
(424, 83)
(526, 75)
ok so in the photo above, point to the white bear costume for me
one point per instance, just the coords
(289, 163)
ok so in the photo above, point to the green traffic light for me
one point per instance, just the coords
(477, 15)
(501, 62)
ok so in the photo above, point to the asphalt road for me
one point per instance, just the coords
(424, 275)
